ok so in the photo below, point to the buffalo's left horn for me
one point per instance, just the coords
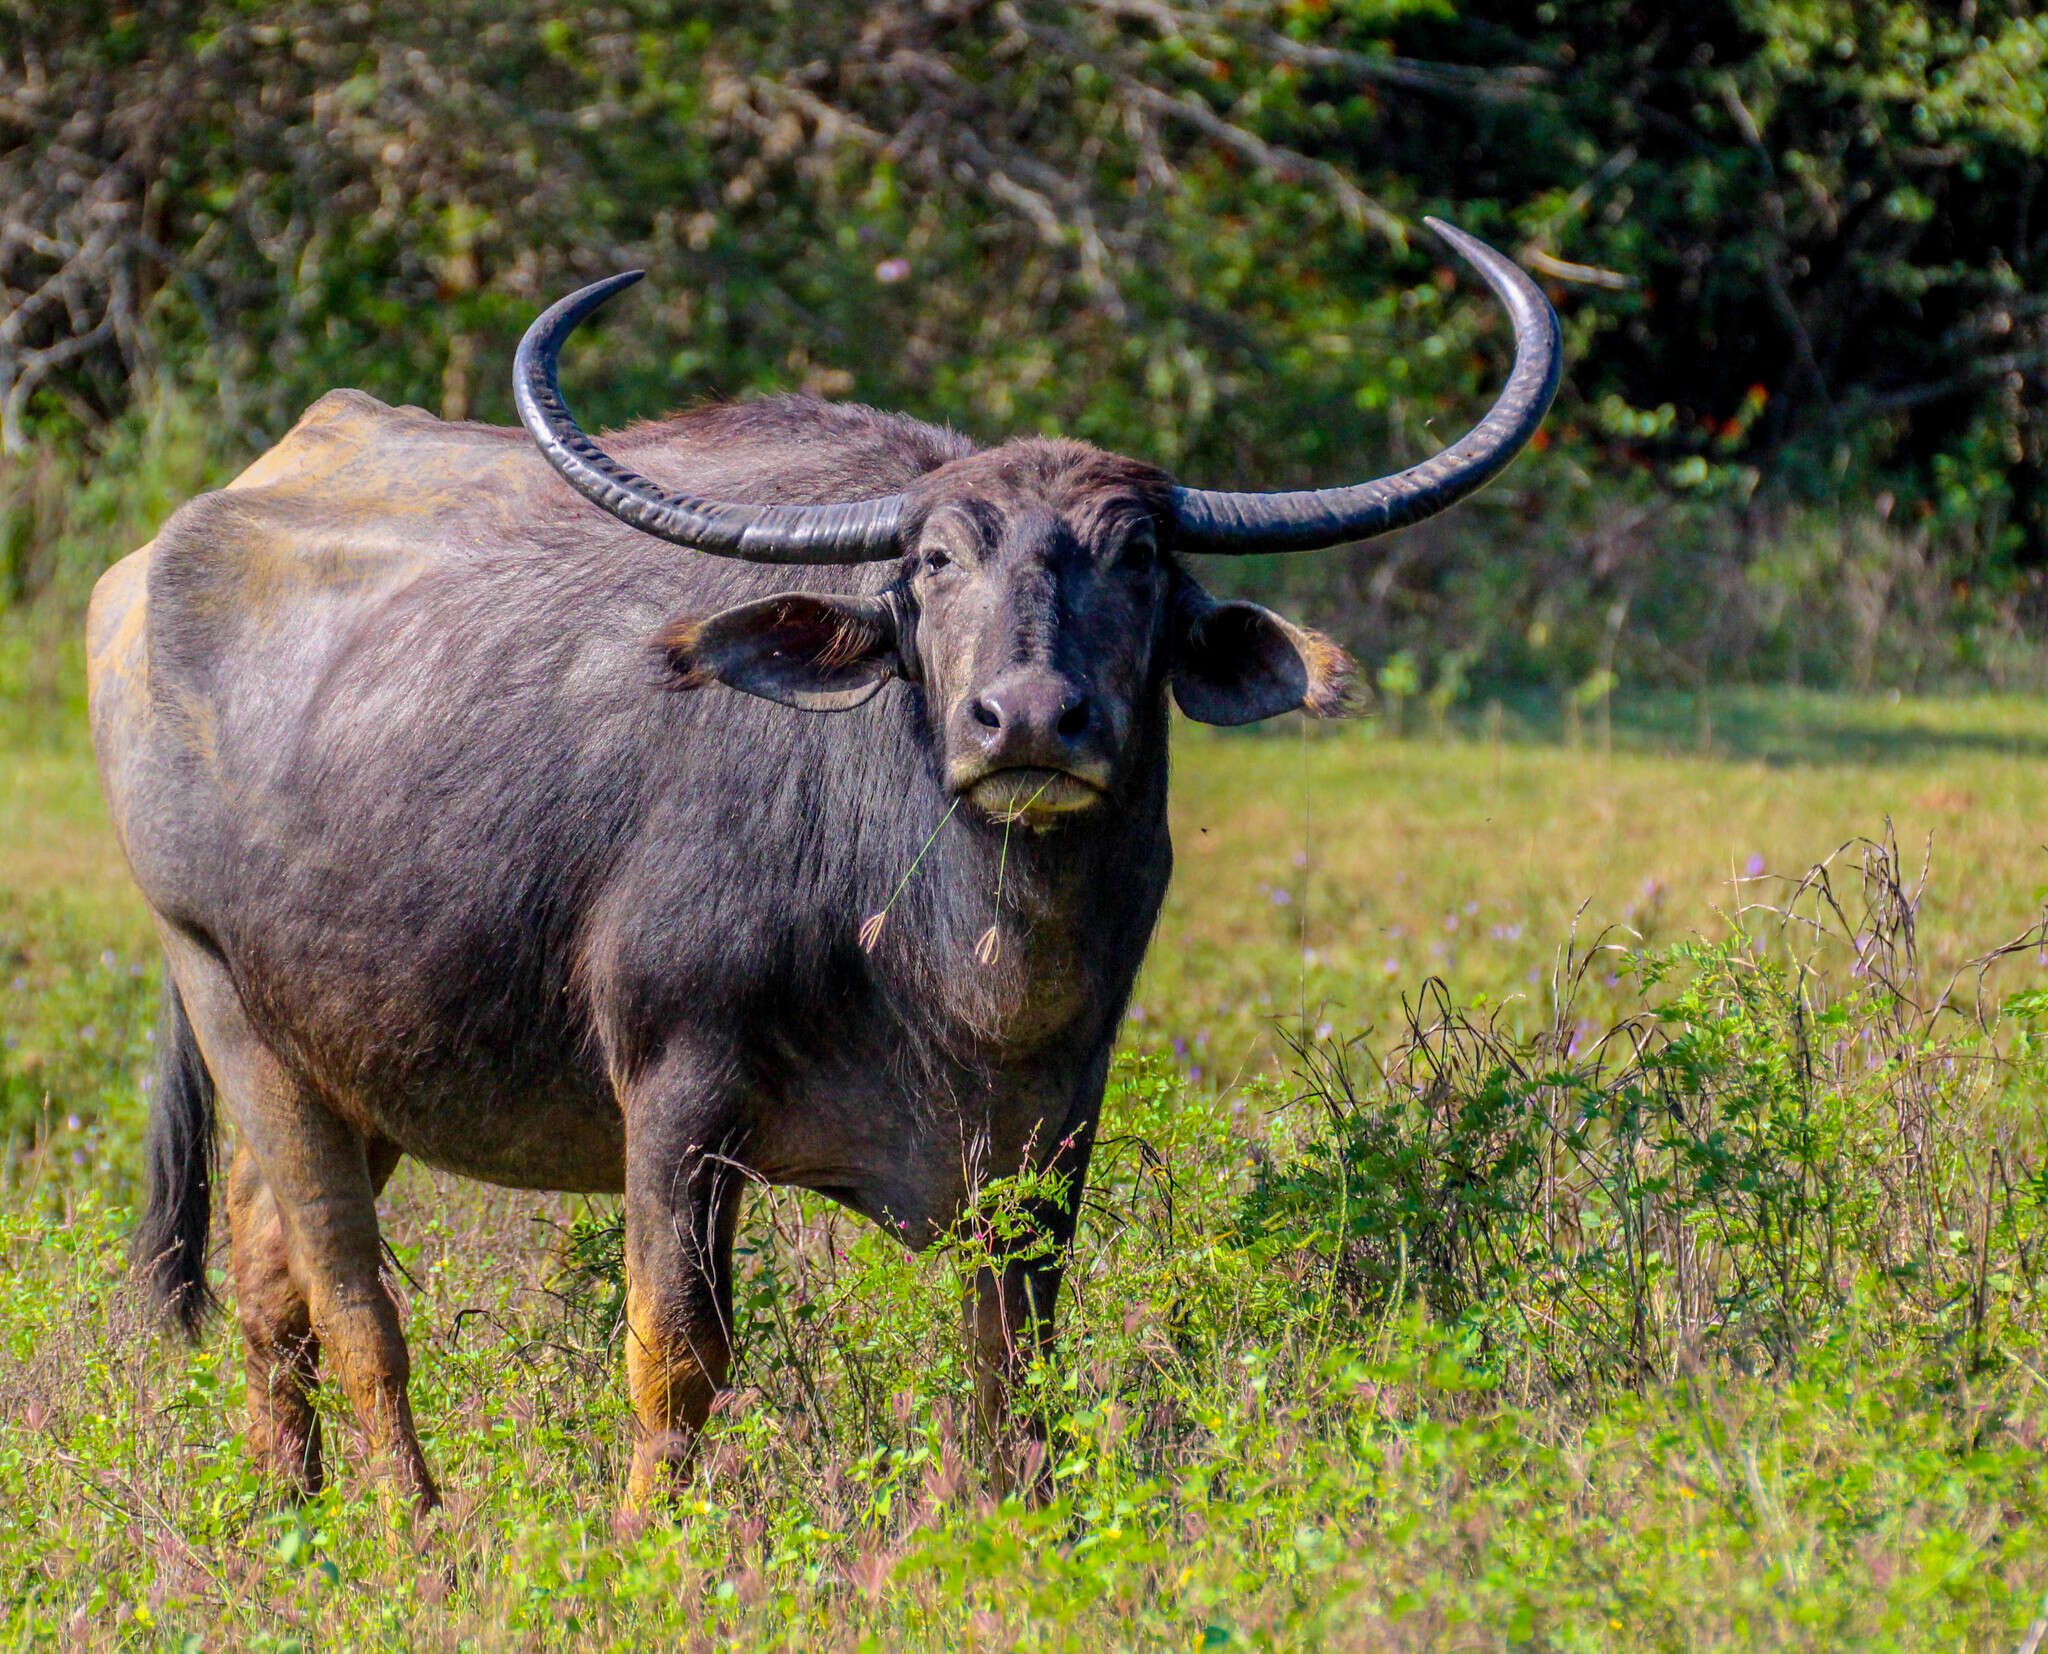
(859, 531)
(1215, 522)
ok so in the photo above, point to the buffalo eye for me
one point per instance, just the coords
(1139, 550)
(936, 559)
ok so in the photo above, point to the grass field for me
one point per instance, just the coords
(1491, 1331)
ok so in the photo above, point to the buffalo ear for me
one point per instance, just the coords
(823, 654)
(1235, 663)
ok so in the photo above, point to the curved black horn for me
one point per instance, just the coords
(1319, 517)
(861, 531)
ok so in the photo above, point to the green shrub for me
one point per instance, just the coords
(1792, 1131)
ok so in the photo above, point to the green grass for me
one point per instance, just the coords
(1320, 877)
(1340, 1367)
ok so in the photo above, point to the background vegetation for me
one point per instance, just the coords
(1797, 245)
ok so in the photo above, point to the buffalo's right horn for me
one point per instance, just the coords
(1318, 517)
(861, 531)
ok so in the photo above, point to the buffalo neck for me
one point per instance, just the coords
(1020, 935)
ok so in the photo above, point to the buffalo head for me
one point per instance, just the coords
(1039, 599)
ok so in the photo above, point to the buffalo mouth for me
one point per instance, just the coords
(1033, 796)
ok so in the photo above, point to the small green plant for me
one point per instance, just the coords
(1453, 683)
(1399, 680)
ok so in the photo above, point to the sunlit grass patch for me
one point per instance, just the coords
(1317, 879)
(74, 1037)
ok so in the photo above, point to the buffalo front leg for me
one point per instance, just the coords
(1010, 1318)
(682, 1206)
(281, 1353)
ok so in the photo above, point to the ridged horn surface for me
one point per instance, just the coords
(1209, 521)
(859, 531)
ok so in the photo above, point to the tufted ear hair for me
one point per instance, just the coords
(822, 654)
(1235, 663)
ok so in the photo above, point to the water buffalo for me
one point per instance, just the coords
(481, 825)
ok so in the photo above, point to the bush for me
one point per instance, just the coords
(1792, 1134)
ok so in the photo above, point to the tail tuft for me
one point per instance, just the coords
(180, 1149)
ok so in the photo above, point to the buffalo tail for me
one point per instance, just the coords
(181, 1154)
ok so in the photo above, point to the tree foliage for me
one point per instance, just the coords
(1795, 242)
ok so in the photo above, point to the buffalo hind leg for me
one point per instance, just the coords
(681, 1212)
(281, 1353)
(321, 1177)
(328, 1201)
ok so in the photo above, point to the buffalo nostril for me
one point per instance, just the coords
(988, 715)
(1073, 719)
